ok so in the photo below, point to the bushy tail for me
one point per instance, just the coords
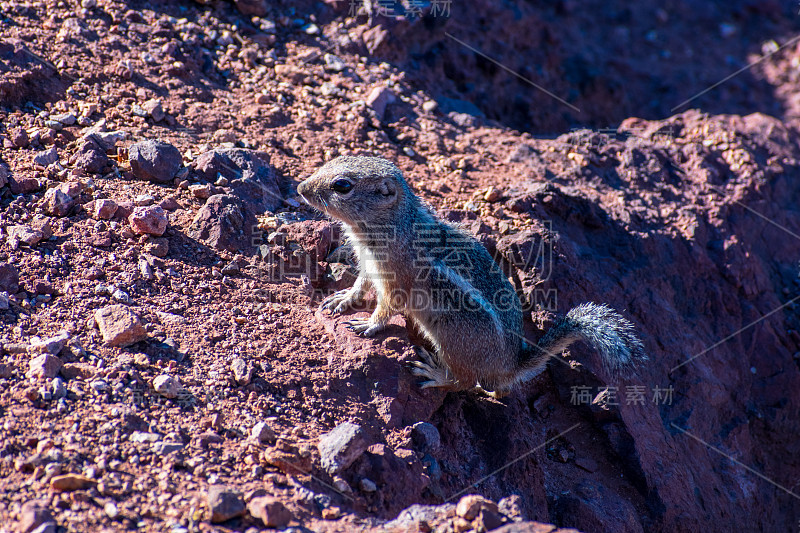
(606, 330)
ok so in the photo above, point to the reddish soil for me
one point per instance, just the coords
(686, 223)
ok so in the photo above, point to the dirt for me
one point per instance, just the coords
(182, 379)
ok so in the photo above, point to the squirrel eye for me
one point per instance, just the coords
(342, 186)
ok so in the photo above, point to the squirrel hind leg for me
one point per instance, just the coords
(435, 374)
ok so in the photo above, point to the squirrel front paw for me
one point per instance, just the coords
(340, 301)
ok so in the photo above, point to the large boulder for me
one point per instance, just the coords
(249, 173)
(155, 161)
(227, 221)
(221, 224)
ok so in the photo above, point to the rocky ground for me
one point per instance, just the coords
(163, 364)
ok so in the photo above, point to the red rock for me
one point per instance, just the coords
(73, 189)
(398, 474)
(271, 512)
(71, 482)
(201, 190)
(421, 518)
(91, 157)
(253, 180)
(78, 370)
(262, 433)
(9, 278)
(167, 386)
(25, 234)
(57, 203)
(290, 73)
(425, 437)
(512, 506)
(206, 438)
(44, 366)
(101, 239)
(46, 157)
(104, 209)
(25, 77)
(531, 527)
(224, 503)
(43, 224)
(169, 204)
(150, 220)
(33, 514)
(159, 247)
(488, 520)
(341, 446)
(51, 345)
(379, 98)
(23, 185)
(41, 286)
(124, 210)
(315, 236)
(119, 325)
(20, 138)
(153, 108)
(220, 222)
(469, 506)
(331, 513)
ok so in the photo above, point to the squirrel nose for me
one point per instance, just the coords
(302, 188)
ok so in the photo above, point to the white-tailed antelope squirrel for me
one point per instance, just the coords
(446, 283)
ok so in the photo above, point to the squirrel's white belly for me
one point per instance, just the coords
(370, 267)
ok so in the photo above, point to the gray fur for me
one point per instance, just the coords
(470, 312)
(603, 328)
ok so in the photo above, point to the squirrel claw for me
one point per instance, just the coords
(363, 327)
(425, 356)
(496, 394)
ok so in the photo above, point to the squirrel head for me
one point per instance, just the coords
(357, 190)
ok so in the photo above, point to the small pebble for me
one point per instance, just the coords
(429, 106)
(334, 63)
(144, 200)
(167, 386)
(111, 508)
(367, 485)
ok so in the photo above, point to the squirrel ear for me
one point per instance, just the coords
(388, 187)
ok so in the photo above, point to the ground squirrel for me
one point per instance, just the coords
(448, 285)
